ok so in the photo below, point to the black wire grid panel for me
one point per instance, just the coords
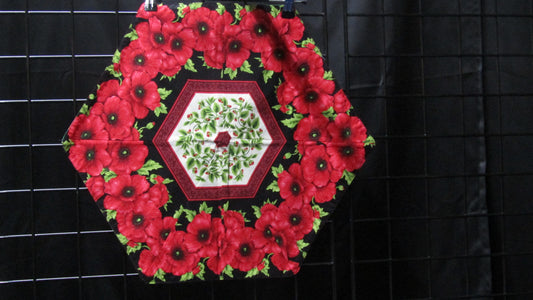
(440, 210)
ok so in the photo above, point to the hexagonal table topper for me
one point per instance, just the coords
(216, 143)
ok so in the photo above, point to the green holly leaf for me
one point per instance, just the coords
(150, 165)
(204, 207)
(277, 170)
(257, 211)
(246, 67)
(189, 65)
(328, 75)
(163, 93)
(348, 176)
(67, 144)
(220, 8)
(301, 245)
(132, 35)
(108, 175)
(84, 109)
(267, 74)
(292, 122)
(273, 186)
(195, 5)
(160, 274)
(161, 109)
(330, 113)
(110, 214)
(231, 73)
(369, 142)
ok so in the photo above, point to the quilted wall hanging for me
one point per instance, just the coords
(216, 143)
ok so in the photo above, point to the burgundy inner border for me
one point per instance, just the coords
(177, 111)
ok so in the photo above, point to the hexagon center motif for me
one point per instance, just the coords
(219, 139)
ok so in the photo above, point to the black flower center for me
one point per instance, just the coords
(314, 134)
(177, 44)
(90, 154)
(260, 29)
(235, 46)
(124, 153)
(112, 118)
(245, 250)
(321, 165)
(311, 96)
(177, 254)
(128, 191)
(267, 232)
(303, 69)
(137, 220)
(279, 240)
(279, 54)
(139, 60)
(347, 151)
(85, 135)
(203, 28)
(295, 189)
(203, 235)
(346, 132)
(164, 234)
(159, 38)
(295, 219)
(139, 91)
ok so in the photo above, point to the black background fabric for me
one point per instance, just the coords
(441, 209)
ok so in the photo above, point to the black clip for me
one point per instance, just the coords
(150, 5)
(288, 9)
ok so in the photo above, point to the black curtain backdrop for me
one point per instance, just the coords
(441, 209)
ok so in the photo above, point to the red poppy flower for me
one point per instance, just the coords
(292, 28)
(128, 156)
(346, 155)
(163, 13)
(259, 23)
(124, 190)
(325, 193)
(89, 156)
(305, 64)
(311, 130)
(216, 56)
(117, 116)
(265, 227)
(142, 94)
(95, 185)
(233, 221)
(87, 128)
(177, 259)
(347, 128)
(202, 22)
(237, 43)
(316, 167)
(158, 194)
(203, 235)
(225, 255)
(107, 89)
(158, 231)
(285, 247)
(181, 42)
(299, 218)
(278, 57)
(133, 223)
(150, 261)
(282, 262)
(313, 97)
(247, 253)
(293, 186)
(341, 103)
(135, 59)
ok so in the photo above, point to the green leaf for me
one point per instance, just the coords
(225, 207)
(195, 5)
(201, 273)
(164, 93)
(190, 65)
(110, 214)
(204, 207)
(277, 170)
(178, 213)
(232, 73)
(276, 107)
(189, 214)
(161, 109)
(301, 244)
(190, 163)
(246, 67)
(180, 12)
(160, 274)
(320, 210)
(316, 224)
(369, 142)
(67, 144)
(255, 123)
(267, 74)
(150, 165)
(111, 70)
(129, 250)
(228, 270)
(84, 109)
(273, 186)
(132, 35)
(328, 75)
(274, 11)
(330, 113)
(220, 8)
(253, 272)
(237, 10)
(187, 276)
(108, 175)
(257, 211)
(348, 176)
(169, 78)
(123, 240)
(167, 181)
(292, 122)
(116, 57)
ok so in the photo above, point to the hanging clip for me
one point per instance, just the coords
(150, 5)
(288, 9)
